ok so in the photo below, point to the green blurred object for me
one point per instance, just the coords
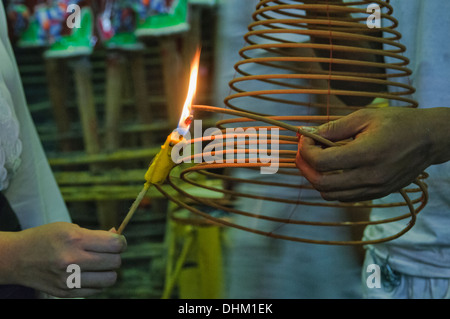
(80, 42)
(124, 41)
(28, 33)
(165, 23)
(30, 37)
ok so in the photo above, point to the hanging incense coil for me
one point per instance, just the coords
(304, 64)
(280, 29)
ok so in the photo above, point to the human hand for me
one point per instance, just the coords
(45, 252)
(389, 149)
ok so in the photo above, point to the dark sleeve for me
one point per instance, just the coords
(9, 222)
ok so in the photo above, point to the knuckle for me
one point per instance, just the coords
(71, 237)
(63, 262)
(328, 128)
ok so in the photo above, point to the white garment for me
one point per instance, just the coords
(10, 144)
(425, 250)
(32, 190)
(395, 285)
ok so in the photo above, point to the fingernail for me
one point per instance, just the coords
(309, 129)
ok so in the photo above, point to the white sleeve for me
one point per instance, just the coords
(10, 144)
(32, 192)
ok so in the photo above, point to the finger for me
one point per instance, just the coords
(307, 170)
(98, 280)
(308, 151)
(317, 158)
(353, 178)
(354, 154)
(77, 293)
(326, 183)
(344, 128)
(103, 241)
(355, 195)
(350, 185)
(364, 191)
(90, 261)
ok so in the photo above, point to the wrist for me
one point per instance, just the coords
(438, 133)
(10, 250)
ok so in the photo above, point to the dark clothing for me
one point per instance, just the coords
(9, 222)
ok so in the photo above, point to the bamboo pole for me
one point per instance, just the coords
(113, 103)
(192, 38)
(139, 78)
(172, 76)
(57, 89)
(103, 157)
(113, 111)
(86, 106)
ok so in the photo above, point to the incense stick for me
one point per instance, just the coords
(133, 207)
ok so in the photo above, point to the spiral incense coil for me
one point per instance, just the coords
(305, 63)
(281, 28)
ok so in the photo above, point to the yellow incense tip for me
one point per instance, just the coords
(162, 163)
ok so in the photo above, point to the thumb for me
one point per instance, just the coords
(341, 129)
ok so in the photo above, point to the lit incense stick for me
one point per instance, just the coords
(162, 163)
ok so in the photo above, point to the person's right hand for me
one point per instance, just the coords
(43, 254)
(388, 149)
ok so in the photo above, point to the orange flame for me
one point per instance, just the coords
(185, 119)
